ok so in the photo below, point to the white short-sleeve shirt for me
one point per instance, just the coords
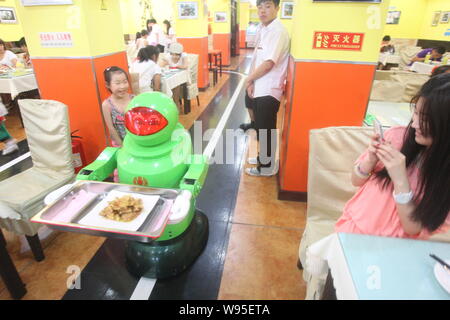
(156, 30)
(8, 58)
(146, 70)
(168, 58)
(272, 43)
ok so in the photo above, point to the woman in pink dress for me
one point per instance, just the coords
(404, 179)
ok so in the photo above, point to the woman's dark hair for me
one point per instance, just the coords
(433, 194)
(2, 43)
(138, 35)
(167, 23)
(22, 42)
(440, 70)
(149, 29)
(144, 33)
(440, 50)
(108, 73)
(386, 38)
(147, 53)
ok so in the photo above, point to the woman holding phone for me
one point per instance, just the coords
(404, 179)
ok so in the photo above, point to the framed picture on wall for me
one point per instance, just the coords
(8, 15)
(393, 17)
(445, 17)
(187, 10)
(436, 18)
(220, 17)
(287, 10)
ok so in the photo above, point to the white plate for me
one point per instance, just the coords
(94, 219)
(442, 275)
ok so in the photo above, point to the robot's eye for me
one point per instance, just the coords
(143, 121)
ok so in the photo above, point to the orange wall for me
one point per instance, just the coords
(198, 46)
(338, 92)
(221, 41)
(242, 39)
(77, 88)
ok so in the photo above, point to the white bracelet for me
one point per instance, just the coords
(403, 198)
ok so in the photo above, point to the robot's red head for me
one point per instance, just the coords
(143, 121)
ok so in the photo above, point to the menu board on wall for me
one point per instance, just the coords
(26, 3)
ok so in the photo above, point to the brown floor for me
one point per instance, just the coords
(262, 252)
(261, 260)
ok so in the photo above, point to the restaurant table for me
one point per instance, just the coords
(17, 82)
(425, 68)
(386, 58)
(372, 268)
(173, 78)
(8, 272)
(390, 114)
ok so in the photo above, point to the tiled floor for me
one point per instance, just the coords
(262, 252)
(261, 260)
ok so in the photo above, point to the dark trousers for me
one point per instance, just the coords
(265, 110)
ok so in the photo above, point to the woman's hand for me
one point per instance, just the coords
(395, 164)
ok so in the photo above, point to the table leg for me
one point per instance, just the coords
(186, 101)
(220, 54)
(329, 293)
(9, 274)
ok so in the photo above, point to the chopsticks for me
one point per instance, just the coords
(442, 262)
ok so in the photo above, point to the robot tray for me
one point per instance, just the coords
(82, 209)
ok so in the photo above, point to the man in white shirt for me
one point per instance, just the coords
(265, 85)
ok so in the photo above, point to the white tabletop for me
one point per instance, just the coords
(172, 79)
(390, 114)
(386, 58)
(421, 67)
(17, 84)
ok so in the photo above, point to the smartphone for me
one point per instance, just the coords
(378, 128)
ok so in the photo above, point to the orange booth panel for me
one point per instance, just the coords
(79, 84)
(319, 95)
(198, 46)
(222, 42)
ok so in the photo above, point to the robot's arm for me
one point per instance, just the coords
(195, 177)
(101, 168)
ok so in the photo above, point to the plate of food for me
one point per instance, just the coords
(120, 210)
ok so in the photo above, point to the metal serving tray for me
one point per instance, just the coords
(51, 215)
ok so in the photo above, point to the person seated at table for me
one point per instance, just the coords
(440, 70)
(8, 59)
(175, 58)
(148, 70)
(404, 179)
(142, 42)
(138, 36)
(386, 46)
(436, 54)
(26, 60)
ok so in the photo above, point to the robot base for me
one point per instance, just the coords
(164, 259)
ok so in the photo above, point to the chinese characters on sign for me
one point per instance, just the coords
(338, 41)
(56, 39)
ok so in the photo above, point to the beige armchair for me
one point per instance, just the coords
(332, 154)
(192, 87)
(22, 195)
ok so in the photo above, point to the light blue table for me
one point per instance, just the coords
(393, 268)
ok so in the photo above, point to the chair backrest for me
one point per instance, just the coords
(47, 128)
(134, 77)
(387, 90)
(406, 55)
(193, 67)
(412, 82)
(332, 154)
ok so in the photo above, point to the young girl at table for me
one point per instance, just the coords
(113, 108)
(404, 180)
(149, 72)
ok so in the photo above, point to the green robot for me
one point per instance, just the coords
(157, 152)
